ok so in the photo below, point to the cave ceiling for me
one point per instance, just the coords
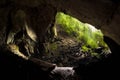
(104, 14)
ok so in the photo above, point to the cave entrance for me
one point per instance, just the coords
(70, 42)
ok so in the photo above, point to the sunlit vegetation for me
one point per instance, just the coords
(90, 37)
(71, 42)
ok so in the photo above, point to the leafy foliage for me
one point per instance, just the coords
(82, 31)
(71, 42)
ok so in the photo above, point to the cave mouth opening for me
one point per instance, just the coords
(71, 42)
(67, 41)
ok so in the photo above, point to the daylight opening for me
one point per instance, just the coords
(73, 40)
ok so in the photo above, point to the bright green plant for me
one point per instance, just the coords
(83, 32)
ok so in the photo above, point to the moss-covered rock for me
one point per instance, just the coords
(83, 32)
(74, 41)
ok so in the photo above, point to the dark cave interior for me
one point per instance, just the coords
(40, 16)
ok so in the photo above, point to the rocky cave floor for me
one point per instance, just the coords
(105, 68)
(86, 67)
(69, 53)
(68, 57)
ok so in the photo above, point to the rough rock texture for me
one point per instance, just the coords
(102, 14)
(37, 18)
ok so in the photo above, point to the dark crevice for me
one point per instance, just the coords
(106, 68)
(113, 12)
(16, 67)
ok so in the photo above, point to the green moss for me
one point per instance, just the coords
(50, 49)
(95, 55)
(83, 32)
(53, 46)
(85, 49)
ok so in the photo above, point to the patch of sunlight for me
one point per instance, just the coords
(83, 32)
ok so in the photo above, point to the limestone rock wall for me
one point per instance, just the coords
(103, 14)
